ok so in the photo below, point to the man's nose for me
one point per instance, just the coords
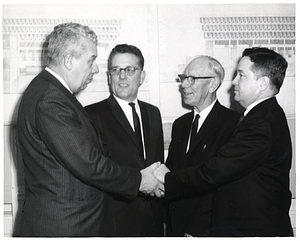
(235, 80)
(185, 83)
(95, 68)
(122, 74)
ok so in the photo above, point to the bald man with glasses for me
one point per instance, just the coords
(196, 136)
(132, 134)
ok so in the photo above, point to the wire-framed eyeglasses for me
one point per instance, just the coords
(129, 70)
(191, 79)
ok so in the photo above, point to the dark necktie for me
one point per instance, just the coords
(194, 129)
(137, 125)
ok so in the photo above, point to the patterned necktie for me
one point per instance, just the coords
(137, 125)
(194, 129)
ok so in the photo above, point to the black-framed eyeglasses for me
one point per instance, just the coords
(129, 70)
(191, 79)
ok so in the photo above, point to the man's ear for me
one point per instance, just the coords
(264, 82)
(214, 85)
(109, 78)
(143, 76)
(68, 61)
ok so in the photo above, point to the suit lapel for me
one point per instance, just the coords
(118, 113)
(49, 77)
(184, 134)
(207, 125)
(146, 125)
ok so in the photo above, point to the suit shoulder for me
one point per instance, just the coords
(184, 118)
(97, 105)
(230, 113)
(148, 105)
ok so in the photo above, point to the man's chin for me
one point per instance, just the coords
(186, 101)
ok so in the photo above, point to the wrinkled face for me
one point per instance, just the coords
(123, 86)
(246, 87)
(196, 95)
(83, 69)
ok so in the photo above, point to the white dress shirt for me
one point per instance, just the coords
(203, 114)
(127, 109)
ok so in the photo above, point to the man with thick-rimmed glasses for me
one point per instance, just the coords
(197, 136)
(132, 132)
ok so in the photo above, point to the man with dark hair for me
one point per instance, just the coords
(132, 132)
(67, 175)
(251, 172)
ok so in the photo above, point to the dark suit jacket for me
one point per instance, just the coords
(192, 214)
(250, 175)
(122, 145)
(67, 175)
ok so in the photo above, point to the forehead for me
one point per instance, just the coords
(125, 59)
(199, 66)
(244, 64)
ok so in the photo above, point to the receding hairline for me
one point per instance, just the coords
(210, 63)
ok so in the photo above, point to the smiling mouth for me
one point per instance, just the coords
(123, 85)
(186, 94)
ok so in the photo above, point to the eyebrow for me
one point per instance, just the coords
(93, 57)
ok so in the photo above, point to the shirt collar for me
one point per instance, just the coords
(124, 103)
(60, 79)
(204, 113)
(255, 103)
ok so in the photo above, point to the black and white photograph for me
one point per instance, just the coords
(149, 120)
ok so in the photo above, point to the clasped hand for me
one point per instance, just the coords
(153, 179)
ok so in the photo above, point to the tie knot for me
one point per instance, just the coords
(197, 117)
(132, 104)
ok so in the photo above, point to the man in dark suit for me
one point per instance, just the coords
(251, 172)
(114, 120)
(67, 175)
(191, 215)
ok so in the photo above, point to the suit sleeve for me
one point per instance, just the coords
(69, 137)
(169, 160)
(248, 147)
(160, 152)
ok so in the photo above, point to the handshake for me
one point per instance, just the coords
(153, 178)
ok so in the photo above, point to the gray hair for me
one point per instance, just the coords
(216, 67)
(69, 38)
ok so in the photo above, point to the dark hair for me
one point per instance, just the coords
(125, 48)
(267, 62)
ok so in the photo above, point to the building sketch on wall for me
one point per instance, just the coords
(226, 38)
(25, 47)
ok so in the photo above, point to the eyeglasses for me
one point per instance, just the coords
(191, 79)
(128, 70)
